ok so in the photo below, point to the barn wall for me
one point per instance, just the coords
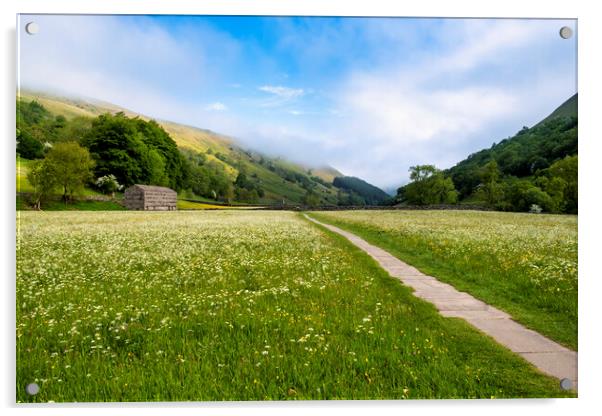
(160, 201)
(136, 198)
(133, 198)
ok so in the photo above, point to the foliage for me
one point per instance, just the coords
(247, 190)
(135, 151)
(523, 155)
(108, 184)
(207, 178)
(233, 305)
(37, 126)
(370, 194)
(536, 166)
(71, 167)
(562, 183)
(28, 147)
(524, 264)
(429, 186)
(490, 187)
(311, 199)
(43, 180)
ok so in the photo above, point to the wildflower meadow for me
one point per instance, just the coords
(233, 305)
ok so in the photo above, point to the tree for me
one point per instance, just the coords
(28, 147)
(136, 151)
(311, 199)
(491, 188)
(43, 181)
(71, 167)
(245, 195)
(567, 170)
(428, 187)
(117, 149)
(156, 169)
(75, 129)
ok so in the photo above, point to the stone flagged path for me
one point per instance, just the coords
(545, 354)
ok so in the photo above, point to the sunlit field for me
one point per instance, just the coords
(235, 305)
(525, 264)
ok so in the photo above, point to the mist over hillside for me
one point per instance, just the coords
(257, 177)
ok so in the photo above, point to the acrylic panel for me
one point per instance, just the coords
(249, 208)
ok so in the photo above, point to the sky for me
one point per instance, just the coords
(368, 96)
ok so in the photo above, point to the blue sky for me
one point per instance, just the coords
(369, 96)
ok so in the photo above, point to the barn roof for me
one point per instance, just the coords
(153, 188)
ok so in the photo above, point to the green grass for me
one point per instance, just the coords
(194, 205)
(234, 305)
(22, 168)
(525, 264)
(72, 206)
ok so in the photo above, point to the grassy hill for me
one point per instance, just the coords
(281, 180)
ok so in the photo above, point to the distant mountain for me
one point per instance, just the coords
(529, 150)
(281, 180)
(369, 193)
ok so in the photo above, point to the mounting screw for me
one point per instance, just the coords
(32, 389)
(566, 32)
(566, 384)
(32, 28)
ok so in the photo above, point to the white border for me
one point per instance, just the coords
(589, 121)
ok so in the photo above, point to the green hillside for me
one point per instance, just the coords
(274, 180)
(370, 193)
(566, 109)
(536, 170)
(528, 151)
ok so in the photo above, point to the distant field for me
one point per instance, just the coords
(525, 264)
(233, 305)
(194, 205)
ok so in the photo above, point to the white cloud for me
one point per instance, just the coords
(448, 105)
(283, 92)
(217, 106)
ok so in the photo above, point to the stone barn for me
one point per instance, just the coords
(150, 198)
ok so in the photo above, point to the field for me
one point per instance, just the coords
(525, 264)
(233, 305)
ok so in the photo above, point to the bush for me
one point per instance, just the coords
(108, 184)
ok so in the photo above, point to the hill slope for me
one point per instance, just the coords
(282, 181)
(371, 194)
(529, 150)
(566, 109)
